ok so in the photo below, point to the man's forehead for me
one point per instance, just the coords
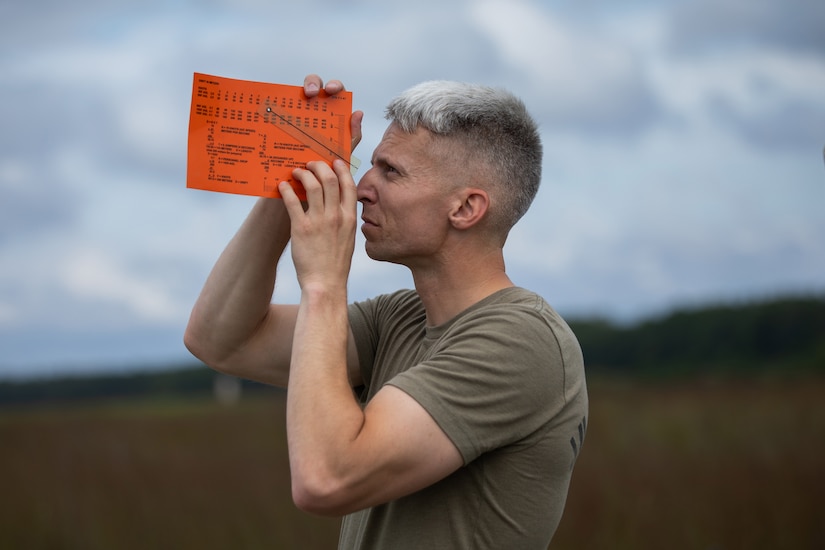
(396, 141)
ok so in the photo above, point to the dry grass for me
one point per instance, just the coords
(700, 466)
(148, 475)
(705, 465)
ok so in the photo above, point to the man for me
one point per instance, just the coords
(445, 417)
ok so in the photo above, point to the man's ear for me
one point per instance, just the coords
(471, 206)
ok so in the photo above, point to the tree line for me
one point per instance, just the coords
(192, 380)
(787, 333)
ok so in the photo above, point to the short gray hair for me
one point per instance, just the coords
(494, 127)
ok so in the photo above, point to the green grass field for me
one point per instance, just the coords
(694, 465)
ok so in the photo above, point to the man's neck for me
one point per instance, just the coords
(451, 287)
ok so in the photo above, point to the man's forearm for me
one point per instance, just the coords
(236, 296)
(323, 417)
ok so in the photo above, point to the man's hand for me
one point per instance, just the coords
(313, 85)
(323, 233)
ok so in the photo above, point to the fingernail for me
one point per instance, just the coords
(312, 87)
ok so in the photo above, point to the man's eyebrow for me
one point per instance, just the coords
(378, 159)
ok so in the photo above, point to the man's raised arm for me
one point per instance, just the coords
(233, 327)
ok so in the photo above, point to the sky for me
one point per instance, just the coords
(683, 157)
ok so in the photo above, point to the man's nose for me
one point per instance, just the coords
(365, 191)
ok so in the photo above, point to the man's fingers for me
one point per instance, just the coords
(333, 87)
(348, 190)
(312, 187)
(355, 128)
(327, 188)
(291, 200)
(321, 177)
(312, 85)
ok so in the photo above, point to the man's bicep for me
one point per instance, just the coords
(404, 448)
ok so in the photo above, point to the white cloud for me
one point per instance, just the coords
(751, 79)
(91, 275)
(582, 76)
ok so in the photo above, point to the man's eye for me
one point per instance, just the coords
(390, 169)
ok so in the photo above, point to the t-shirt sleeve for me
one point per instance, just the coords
(493, 379)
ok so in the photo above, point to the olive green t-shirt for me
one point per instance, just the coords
(505, 382)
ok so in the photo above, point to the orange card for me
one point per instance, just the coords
(246, 137)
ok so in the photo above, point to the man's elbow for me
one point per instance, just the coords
(198, 346)
(193, 341)
(322, 497)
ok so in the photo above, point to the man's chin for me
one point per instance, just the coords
(375, 253)
(372, 252)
